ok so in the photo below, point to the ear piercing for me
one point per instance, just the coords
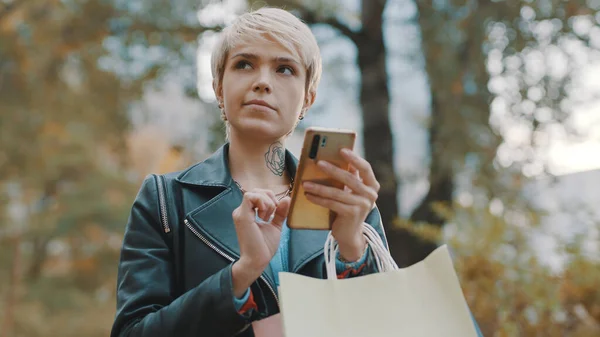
(222, 108)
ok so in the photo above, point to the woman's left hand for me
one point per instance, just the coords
(352, 205)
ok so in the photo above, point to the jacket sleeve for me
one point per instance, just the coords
(146, 302)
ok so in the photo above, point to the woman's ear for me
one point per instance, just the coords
(309, 99)
(218, 89)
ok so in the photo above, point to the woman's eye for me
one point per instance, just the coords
(243, 65)
(286, 70)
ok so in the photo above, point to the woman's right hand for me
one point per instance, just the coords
(258, 242)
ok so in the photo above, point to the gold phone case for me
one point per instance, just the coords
(304, 214)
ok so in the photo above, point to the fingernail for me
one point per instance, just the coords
(346, 151)
(308, 185)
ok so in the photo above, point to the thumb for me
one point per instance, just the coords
(282, 211)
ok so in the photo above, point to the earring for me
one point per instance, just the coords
(222, 108)
(301, 117)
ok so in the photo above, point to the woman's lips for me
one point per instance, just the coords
(259, 104)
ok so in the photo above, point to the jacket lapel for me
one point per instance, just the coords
(214, 221)
(212, 218)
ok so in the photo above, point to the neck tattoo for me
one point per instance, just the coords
(275, 158)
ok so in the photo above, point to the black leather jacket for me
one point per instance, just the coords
(174, 275)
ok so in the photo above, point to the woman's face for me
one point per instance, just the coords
(263, 90)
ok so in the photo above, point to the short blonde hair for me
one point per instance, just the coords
(270, 23)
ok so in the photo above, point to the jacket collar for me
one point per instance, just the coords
(214, 171)
(214, 216)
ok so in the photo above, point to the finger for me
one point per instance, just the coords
(266, 213)
(364, 168)
(349, 179)
(329, 192)
(259, 201)
(268, 193)
(251, 201)
(354, 171)
(281, 212)
(268, 209)
(333, 205)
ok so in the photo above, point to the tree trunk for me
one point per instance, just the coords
(7, 326)
(40, 247)
(374, 101)
(451, 62)
(441, 182)
(406, 248)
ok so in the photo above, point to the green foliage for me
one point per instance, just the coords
(63, 159)
(71, 71)
(509, 291)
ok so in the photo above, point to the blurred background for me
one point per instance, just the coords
(480, 118)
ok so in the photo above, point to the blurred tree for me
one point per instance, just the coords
(71, 71)
(62, 158)
(493, 67)
(509, 290)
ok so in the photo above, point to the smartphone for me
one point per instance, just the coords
(319, 144)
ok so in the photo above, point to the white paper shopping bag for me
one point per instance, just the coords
(424, 300)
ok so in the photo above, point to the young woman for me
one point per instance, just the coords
(195, 260)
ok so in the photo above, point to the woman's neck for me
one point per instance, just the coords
(256, 164)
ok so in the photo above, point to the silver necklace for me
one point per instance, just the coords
(279, 196)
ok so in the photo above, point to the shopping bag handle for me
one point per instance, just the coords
(382, 255)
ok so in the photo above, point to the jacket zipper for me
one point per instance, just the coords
(163, 204)
(220, 252)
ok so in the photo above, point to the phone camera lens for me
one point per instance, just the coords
(314, 147)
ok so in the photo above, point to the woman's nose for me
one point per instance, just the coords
(263, 83)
